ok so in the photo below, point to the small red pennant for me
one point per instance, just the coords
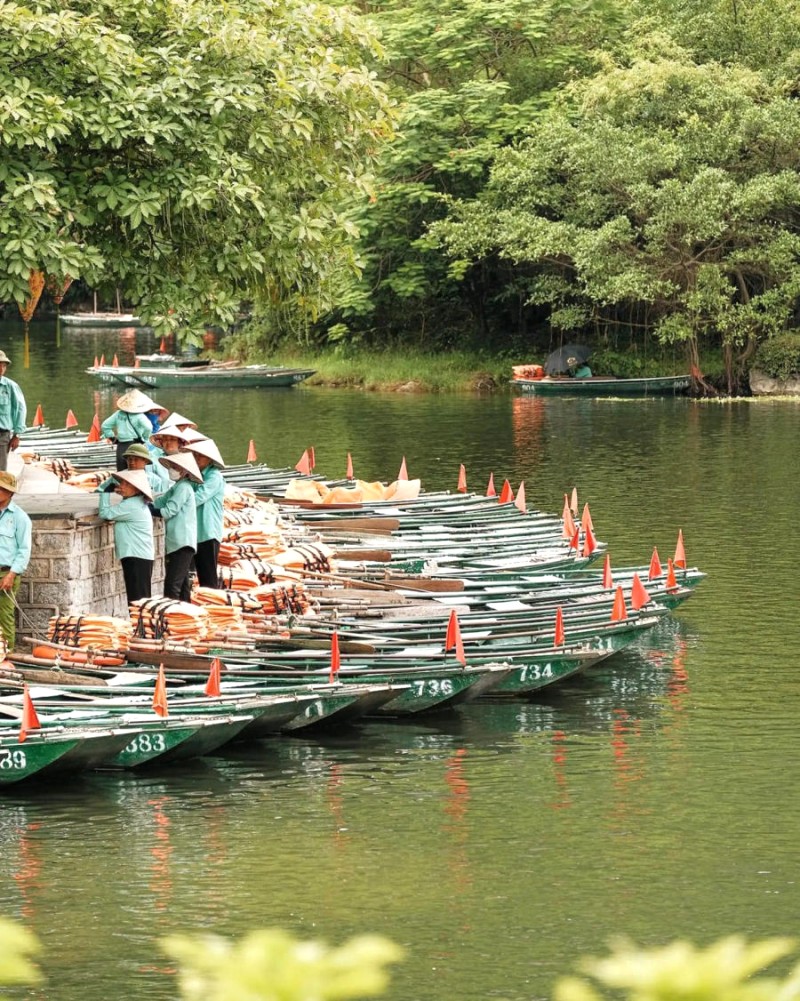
(72, 420)
(453, 638)
(349, 473)
(589, 543)
(94, 430)
(251, 451)
(608, 581)
(619, 612)
(568, 531)
(573, 503)
(115, 362)
(575, 541)
(639, 595)
(312, 459)
(38, 420)
(137, 361)
(163, 346)
(403, 474)
(506, 494)
(490, 490)
(462, 479)
(656, 570)
(672, 584)
(96, 362)
(213, 685)
(558, 639)
(335, 659)
(679, 559)
(303, 464)
(519, 501)
(586, 520)
(102, 361)
(30, 721)
(160, 693)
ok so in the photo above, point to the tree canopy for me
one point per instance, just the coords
(193, 153)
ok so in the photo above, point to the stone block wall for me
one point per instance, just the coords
(73, 570)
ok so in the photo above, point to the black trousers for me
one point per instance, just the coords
(138, 574)
(176, 574)
(206, 563)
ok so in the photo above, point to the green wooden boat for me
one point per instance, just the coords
(664, 385)
(101, 320)
(201, 376)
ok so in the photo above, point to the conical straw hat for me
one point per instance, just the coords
(208, 448)
(137, 402)
(184, 461)
(137, 478)
(176, 420)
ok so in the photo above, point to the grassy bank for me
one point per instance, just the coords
(411, 371)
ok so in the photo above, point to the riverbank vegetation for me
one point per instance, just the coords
(492, 176)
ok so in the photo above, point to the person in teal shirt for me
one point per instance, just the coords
(133, 530)
(179, 511)
(15, 554)
(129, 423)
(13, 412)
(209, 496)
(142, 457)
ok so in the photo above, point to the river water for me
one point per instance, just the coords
(655, 797)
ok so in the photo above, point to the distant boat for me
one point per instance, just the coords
(101, 320)
(163, 371)
(664, 385)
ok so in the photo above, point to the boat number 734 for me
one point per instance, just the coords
(536, 672)
(12, 759)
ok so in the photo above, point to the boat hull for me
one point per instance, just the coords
(668, 385)
(201, 376)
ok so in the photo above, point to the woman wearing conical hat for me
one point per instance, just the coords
(133, 530)
(208, 496)
(129, 423)
(178, 509)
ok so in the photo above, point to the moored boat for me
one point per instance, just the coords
(663, 385)
(200, 375)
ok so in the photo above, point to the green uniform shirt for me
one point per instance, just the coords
(15, 538)
(13, 411)
(208, 496)
(179, 512)
(133, 526)
(127, 427)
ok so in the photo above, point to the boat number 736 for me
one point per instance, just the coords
(12, 759)
(433, 687)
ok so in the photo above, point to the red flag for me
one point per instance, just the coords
(462, 479)
(38, 420)
(163, 346)
(115, 362)
(490, 490)
(589, 543)
(619, 612)
(574, 501)
(349, 473)
(506, 494)
(639, 595)
(453, 638)
(213, 685)
(251, 451)
(102, 361)
(94, 430)
(568, 530)
(656, 570)
(304, 465)
(608, 581)
(72, 420)
(672, 583)
(519, 503)
(312, 459)
(575, 541)
(559, 634)
(30, 721)
(679, 559)
(403, 474)
(137, 361)
(96, 362)
(586, 520)
(160, 693)
(335, 659)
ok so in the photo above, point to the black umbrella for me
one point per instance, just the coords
(565, 358)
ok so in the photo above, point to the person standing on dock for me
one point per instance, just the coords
(133, 530)
(129, 423)
(15, 554)
(13, 412)
(179, 511)
(209, 496)
(140, 457)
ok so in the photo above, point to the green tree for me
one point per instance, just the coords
(659, 197)
(468, 77)
(192, 153)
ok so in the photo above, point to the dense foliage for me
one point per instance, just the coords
(193, 153)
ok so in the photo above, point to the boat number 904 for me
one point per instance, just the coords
(13, 760)
(536, 672)
(434, 687)
(146, 743)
